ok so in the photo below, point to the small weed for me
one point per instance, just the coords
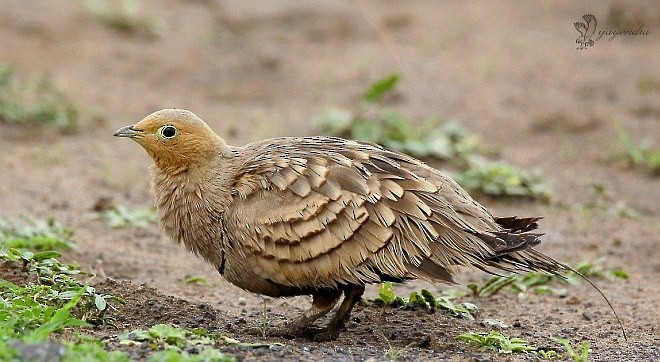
(519, 284)
(370, 123)
(33, 234)
(34, 103)
(264, 325)
(582, 356)
(8, 350)
(197, 280)
(393, 353)
(174, 343)
(539, 283)
(596, 270)
(425, 299)
(124, 16)
(52, 300)
(603, 203)
(206, 355)
(498, 178)
(91, 349)
(56, 288)
(168, 336)
(121, 217)
(496, 341)
(639, 155)
(433, 138)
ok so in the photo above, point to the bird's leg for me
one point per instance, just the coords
(352, 295)
(322, 303)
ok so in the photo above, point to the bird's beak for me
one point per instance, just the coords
(127, 131)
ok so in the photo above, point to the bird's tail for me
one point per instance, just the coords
(520, 255)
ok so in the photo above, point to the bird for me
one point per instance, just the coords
(586, 31)
(321, 216)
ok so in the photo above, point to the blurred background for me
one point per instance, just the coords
(496, 93)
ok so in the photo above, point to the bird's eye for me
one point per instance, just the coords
(167, 131)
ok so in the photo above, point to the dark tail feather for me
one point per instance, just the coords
(518, 225)
(514, 248)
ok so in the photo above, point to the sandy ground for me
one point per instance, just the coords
(510, 72)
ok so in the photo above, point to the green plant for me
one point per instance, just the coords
(264, 325)
(56, 287)
(371, 123)
(52, 299)
(393, 353)
(540, 283)
(33, 234)
(641, 155)
(84, 348)
(597, 270)
(581, 356)
(36, 103)
(433, 138)
(498, 178)
(168, 336)
(496, 341)
(121, 217)
(124, 16)
(425, 299)
(197, 280)
(206, 355)
(600, 201)
(174, 343)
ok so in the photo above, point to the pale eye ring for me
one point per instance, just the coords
(168, 131)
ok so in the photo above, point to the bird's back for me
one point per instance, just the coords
(321, 211)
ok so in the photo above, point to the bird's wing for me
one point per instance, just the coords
(341, 212)
(580, 27)
(591, 24)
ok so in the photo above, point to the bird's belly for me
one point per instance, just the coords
(245, 277)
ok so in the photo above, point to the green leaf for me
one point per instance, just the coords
(366, 130)
(59, 320)
(386, 292)
(617, 273)
(429, 298)
(380, 88)
(198, 280)
(46, 255)
(417, 300)
(334, 121)
(100, 302)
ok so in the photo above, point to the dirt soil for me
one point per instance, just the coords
(509, 71)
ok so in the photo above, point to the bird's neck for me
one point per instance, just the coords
(191, 203)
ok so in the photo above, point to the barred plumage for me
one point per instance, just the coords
(321, 215)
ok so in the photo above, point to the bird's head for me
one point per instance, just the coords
(175, 139)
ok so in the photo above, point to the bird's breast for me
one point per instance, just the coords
(190, 213)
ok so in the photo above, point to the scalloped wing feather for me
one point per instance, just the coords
(320, 212)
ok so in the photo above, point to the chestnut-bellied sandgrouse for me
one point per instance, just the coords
(321, 216)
